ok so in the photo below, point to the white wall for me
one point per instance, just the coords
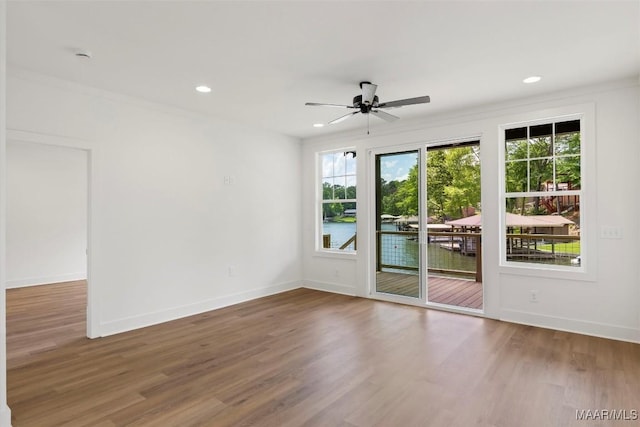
(46, 214)
(5, 412)
(609, 303)
(168, 236)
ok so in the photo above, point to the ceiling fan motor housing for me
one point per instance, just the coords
(368, 103)
(364, 108)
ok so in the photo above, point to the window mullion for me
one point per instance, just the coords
(543, 227)
(336, 209)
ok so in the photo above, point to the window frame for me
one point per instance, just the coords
(320, 201)
(585, 113)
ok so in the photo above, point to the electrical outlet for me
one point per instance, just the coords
(533, 295)
(233, 271)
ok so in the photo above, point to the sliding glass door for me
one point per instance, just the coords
(454, 225)
(427, 234)
(398, 250)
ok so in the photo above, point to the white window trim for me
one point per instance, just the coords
(319, 250)
(588, 233)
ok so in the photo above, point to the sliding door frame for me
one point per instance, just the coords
(372, 154)
(371, 175)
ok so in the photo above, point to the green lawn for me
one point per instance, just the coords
(566, 248)
(344, 219)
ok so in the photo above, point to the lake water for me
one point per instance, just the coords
(340, 232)
(402, 251)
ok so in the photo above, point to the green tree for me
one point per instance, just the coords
(568, 168)
(438, 176)
(453, 181)
(463, 190)
(351, 192)
(453, 184)
(406, 200)
(530, 167)
(389, 192)
(333, 192)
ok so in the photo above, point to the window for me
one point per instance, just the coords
(543, 193)
(338, 202)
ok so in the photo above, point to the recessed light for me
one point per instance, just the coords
(318, 125)
(532, 79)
(203, 89)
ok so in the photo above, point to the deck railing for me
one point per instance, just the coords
(544, 248)
(328, 244)
(466, 243)
(537, 248)
(469, 243)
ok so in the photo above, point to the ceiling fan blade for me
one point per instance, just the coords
(384, 116)
(345, 117)
(368, 93)
(316, 104)
(402, 102)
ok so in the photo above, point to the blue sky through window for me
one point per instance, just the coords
(396, 167)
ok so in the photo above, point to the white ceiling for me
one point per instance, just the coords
(265, 59)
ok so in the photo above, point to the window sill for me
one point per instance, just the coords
(335, 254)
(548, 272)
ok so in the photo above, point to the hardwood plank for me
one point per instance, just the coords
(442, 290)
(306, 358)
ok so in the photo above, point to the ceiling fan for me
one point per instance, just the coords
(368, 103)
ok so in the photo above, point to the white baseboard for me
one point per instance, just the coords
(47, 280)
(149, 319)
(5, 415)
(330, 287)
(601, 330)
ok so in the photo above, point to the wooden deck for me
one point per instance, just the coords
(442, 290)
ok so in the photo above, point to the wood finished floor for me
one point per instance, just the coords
(306, 358)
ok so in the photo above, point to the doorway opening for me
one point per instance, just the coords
(454, 225)
(428, 240)
(47, 244)
(398, 250)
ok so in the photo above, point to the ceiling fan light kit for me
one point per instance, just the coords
(368, 103)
